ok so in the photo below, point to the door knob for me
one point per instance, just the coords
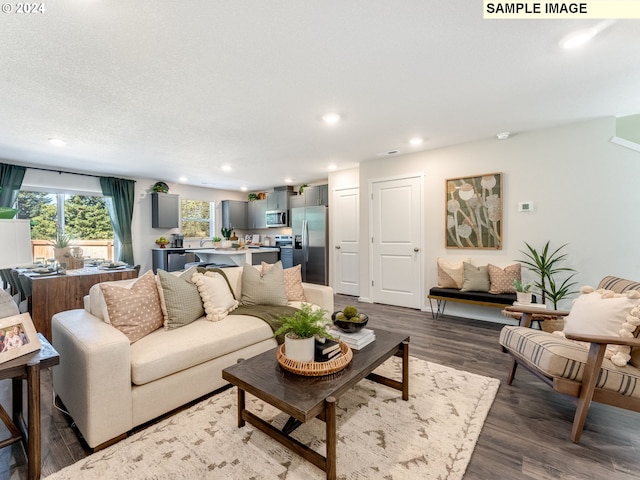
(337, 247)
(416, 249)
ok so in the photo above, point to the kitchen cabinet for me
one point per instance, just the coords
(257, 214)
(267, 257)
(278, 200)
(165, 210)
(235, 214)
(311, 197)
(171, 259)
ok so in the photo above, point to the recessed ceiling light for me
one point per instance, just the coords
(57, 142)
(288, 180)
(183, 179)
(503, 135)
(332, 167)
(243, 188)
(416, 141)
(226, 168)
(331, 118)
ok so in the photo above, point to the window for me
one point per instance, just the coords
(84, 218)
(197, 218)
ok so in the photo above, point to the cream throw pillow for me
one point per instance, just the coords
(450, 274)
(135, 311)
(501, 279)
(605, 313)
(292, 281)
(263, 288)
(217, 298)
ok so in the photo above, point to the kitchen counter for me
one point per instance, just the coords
(234, 256)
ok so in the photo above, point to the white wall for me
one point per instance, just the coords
(584, 189)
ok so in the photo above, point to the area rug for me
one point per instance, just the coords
(430, 436)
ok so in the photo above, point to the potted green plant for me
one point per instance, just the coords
(546, 264)
(300, 331)
(216, 241)
(523, 291)
(61, 244)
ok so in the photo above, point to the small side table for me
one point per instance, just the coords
(27, 367)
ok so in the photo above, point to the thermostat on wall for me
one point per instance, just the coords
(525, 207)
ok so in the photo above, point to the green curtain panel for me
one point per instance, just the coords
(120, 195)
(11, 177)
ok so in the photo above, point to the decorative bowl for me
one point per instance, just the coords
(348, 325)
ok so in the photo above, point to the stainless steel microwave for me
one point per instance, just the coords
(277, 218)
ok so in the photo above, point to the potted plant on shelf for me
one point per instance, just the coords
(523, 291)
(300, 331)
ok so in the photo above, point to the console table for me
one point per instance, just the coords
(27, 368)
(57, 293)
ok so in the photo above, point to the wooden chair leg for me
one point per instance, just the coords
(589, 380)
(512, 372)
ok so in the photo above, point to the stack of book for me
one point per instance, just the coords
(327, 350)
(356, 340)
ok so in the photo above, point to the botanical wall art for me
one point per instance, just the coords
(474, 212)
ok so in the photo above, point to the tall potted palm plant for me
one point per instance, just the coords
(546, 265)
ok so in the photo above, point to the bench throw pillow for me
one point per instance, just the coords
(179, 298)
(216, 295)
(605, 313)
(501, 279)
(135, 311)
(450, 274)
(263, 288)
(292, 281)
(475, 279)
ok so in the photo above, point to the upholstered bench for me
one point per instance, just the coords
(485, 299)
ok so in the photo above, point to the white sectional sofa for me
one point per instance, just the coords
(109, 385)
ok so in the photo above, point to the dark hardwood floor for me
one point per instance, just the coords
(525, 436)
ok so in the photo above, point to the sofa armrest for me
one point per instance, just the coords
(93, 378)
(320, 295)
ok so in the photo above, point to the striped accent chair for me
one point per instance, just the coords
(574, 369)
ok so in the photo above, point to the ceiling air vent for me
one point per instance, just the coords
(386, 154)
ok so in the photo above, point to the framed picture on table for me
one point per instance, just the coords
(18, 337)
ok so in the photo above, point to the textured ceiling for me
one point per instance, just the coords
(161, 89)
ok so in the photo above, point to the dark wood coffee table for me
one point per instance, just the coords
(304, 398)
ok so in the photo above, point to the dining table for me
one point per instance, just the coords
(50, 290)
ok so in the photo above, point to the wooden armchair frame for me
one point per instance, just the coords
(586, 390)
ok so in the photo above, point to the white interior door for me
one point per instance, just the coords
(346, 255)
(396, 242)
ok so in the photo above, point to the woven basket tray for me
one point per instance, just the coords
(315, 369)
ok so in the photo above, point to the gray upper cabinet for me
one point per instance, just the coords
(278, 200)
(234, 214)
(296, 201)
(257, 214)
(165, 210)
(311, 197)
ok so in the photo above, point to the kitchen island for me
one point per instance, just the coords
(236, 256)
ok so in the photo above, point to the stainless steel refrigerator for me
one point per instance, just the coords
(310, 243)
